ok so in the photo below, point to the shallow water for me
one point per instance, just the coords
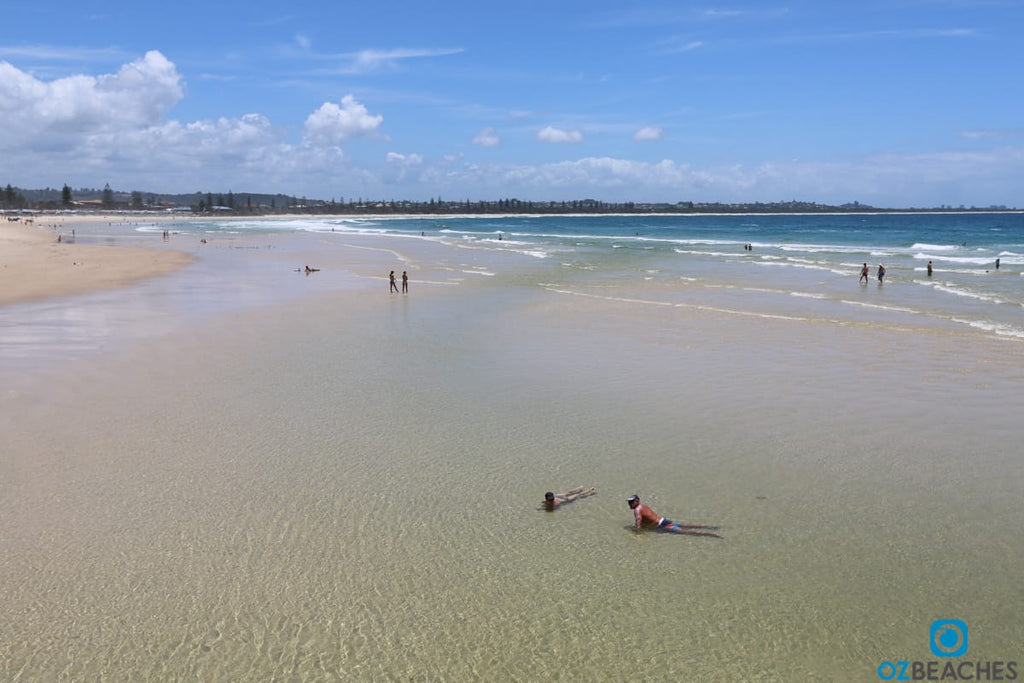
(791, 261)
(344, 485)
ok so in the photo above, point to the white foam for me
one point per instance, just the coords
(720, 254)
(880, 307)
(967, 260)
(935, 247)
(959, 291)
(995, 328)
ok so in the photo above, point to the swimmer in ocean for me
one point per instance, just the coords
(553, 500)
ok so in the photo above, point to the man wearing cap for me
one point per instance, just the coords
(645, 515)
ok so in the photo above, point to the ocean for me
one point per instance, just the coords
(243, 472)
(796, 265)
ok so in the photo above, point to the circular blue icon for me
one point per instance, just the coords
(948, 638)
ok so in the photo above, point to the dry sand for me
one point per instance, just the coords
(35, 265)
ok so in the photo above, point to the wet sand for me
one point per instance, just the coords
(34, 265)
(344, 485)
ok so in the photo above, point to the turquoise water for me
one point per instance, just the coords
(798, 267)
(793, 261)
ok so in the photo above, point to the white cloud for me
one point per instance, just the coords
(402, 168)
(112, 128)
(648, 133)
(680, 48)
(90, 129)
(47, 53)
(139, 94)
(993, 134)
(488, 137)
(721, 14)
(366, 61)
(330, 124)
(890, 180)
(558, 135)
(404, 159)
(222, 153)
(887, 34)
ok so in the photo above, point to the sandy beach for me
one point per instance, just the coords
(254, 474)
(34, 265)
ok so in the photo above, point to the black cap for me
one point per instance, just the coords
(632, 498)
(549, 496)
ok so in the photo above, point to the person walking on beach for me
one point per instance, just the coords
(553, 500)
(405, 282)
(864, 274)
(881, 273)
(929, 269)
(646, 516)
(394, 286)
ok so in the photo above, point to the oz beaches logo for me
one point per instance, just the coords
(948, 640)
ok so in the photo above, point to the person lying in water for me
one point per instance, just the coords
(553, 500)
(646, 516)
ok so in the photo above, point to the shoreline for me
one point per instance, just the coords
(34, 265)
(163, 217)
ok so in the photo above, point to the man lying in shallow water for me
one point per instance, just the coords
(553, 500)
(645, 515)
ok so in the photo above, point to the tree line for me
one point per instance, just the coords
(261, 203)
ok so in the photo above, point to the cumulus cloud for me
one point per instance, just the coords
(139, 94)
(114, 128)
(92, 129)
(558, 135)
(648, 133)
(488, 137)
(330, 124)
(884, 180)
(402, 168)
(404, 159)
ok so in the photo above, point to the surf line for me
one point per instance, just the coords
(696, 307)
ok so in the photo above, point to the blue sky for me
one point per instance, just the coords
(894, 103)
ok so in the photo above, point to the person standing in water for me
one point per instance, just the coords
(405, 282)
(394, 286)
(864, 274)
(929, 269)
(881, 273)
